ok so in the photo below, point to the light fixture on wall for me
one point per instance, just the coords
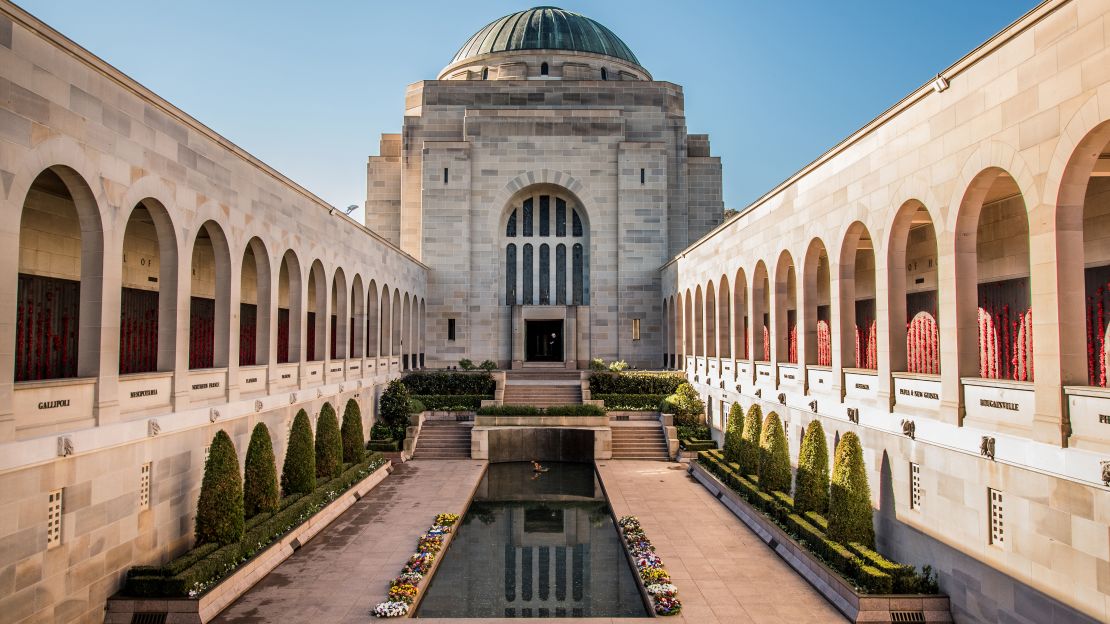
(940, 83)
(350, 209)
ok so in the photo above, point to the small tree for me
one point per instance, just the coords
(749, 440)
(260, 483)
(329, 447)
(298, 473)
(220, 506)
(811, 491)
(488, 365)
(734, 433)
(393, 408)
(688, 405)
(850, 515)
(354, 442)
(774, 456)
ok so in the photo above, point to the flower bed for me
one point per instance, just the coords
(202, 568)
(554, 410)
(405, 589)
(656, 580)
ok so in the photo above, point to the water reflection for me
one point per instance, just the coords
(535, 545)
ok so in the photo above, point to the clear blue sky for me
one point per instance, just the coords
(308, 87)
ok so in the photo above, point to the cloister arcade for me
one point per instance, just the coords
(890, 301)
(244, 332)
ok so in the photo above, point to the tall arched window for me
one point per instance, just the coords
(510, 273)
(544, 70)
(604, 74)
(545, 275)
(534, 279)
(528, 275)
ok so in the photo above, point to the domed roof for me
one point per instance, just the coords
(545, 28)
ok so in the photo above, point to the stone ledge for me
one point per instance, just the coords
(211, 603)
(855, 606)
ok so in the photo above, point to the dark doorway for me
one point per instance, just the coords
(543, 341)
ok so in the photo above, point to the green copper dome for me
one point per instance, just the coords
(545, 28)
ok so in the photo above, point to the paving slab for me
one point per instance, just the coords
(724, 573)
(345, 570)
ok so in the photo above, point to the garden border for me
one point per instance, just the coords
(206, 607)
(853, 605)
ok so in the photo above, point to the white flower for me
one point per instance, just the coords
(391, 609)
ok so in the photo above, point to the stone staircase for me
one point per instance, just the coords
(543, 388)
(443, 439)
(639, 440)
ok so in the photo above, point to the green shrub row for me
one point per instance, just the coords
(699, 431)
(384, 446)
(689, 444)
(869, 570)
(199, 569)
(452, 402)
(450, 383)
(630, 402)
(554, 410)
(635, 383)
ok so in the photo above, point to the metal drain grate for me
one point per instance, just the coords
(148, 618)
(907, 616)
(624, 417)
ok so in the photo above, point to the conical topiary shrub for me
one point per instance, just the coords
(220, 506)
(329, 447)
(811, 491)
(734, 432)
(354, 442)
(774, 456)
(298, 473)
(749, 440)
(260, 484)
(850, 517)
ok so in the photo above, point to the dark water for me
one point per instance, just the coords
(543, 547)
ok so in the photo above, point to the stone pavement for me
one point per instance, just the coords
(344, 571)
(724, 573)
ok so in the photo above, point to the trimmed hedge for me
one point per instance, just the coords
(260, 483)
(201, 568)
(384, 446)
(690, 444)
(298, 473)
(734, 433)
(354, 441)
(554, 410)
(635, 383)
(329, 446)
(437, 383)
(220, 505)
(451, 402)
(869, 571)
(685, 404)
(850, 515)
(812, 481)
(630, 402)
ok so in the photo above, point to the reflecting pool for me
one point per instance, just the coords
(535, 545)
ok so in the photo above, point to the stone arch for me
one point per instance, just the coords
(912, 288)
(356, 346)
(710, 320)
(210, 297)
(396, 325)
(337, 316)
(786, 309)
(817, 294)
(385, 324)
(858, 327)
(148, 325)
(373, 320)
(740, 321)
(60, 313)
(1078, 265)
(688, 327)
(761, 306)
(724, 318)
(699, 323)
(290, 309)
(992, 285)
(316, 313)
(254, 317)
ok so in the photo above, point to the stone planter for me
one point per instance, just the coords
(855, 606)
(541, 421)
(121, 609)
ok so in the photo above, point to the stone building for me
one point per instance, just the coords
(936, 283)
(544, 178)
